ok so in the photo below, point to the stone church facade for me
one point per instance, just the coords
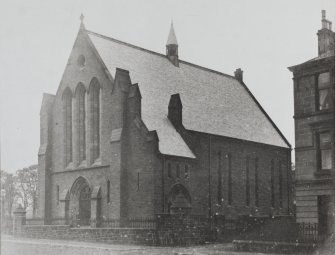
(314, 83)
(133, 133)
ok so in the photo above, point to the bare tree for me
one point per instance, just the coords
(9, 191)
(27, 184)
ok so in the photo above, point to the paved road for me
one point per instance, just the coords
(11, 246)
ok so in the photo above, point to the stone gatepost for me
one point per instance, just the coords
(19, 220)
(95, 206)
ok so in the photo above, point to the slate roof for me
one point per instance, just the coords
(170, 141)
(327, 54)
(213, 102)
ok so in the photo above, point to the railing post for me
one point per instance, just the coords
(19, 220)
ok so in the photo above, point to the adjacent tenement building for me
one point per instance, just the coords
(314, 83)
(132, 133)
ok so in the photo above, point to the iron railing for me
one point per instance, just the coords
(310, 232)
(141, 223)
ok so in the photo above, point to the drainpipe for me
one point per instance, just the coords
(209, 180)
(163, 185)
(289, 180)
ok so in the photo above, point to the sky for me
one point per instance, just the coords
(263, 37)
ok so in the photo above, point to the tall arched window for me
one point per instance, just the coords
(272, 183)
(256, 183)
(247, 182)
(219, 179)
(95, 119)
(81, 120)
(230, 181)
(280, 184)
(108, 191)
(67, 120)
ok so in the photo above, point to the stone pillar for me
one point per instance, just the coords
(94, 203)
(64, 202)
(19, 220)
(95, 206)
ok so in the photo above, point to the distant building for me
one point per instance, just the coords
(314, 83)
(132, 133)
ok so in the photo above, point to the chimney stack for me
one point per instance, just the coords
(239, 74)
(175, 112)
(326, 36)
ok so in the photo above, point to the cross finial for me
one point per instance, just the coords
(82, 21)
(82, 18)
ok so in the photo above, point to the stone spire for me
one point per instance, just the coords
(172, 39)
(172, 47)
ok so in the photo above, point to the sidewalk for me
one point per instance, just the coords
(70, 243)
(27, 246)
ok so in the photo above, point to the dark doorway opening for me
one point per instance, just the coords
(85, 206)
(324, 216)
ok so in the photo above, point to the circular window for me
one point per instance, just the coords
(81, 61)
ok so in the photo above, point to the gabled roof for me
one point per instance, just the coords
(213, 102)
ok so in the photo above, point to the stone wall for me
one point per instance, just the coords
(177, 235)
(182, 230)
(277, 228)
(113, 235)
(312, 181)
(164, 230)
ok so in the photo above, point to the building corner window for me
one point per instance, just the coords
(323, 91)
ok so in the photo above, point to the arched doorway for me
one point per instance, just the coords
(179, 200)
(80, 202)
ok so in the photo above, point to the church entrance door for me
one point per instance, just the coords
(85, 206)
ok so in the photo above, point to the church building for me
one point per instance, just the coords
(132, 133)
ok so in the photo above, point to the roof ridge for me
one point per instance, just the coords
(125, 43)
(158, 54)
